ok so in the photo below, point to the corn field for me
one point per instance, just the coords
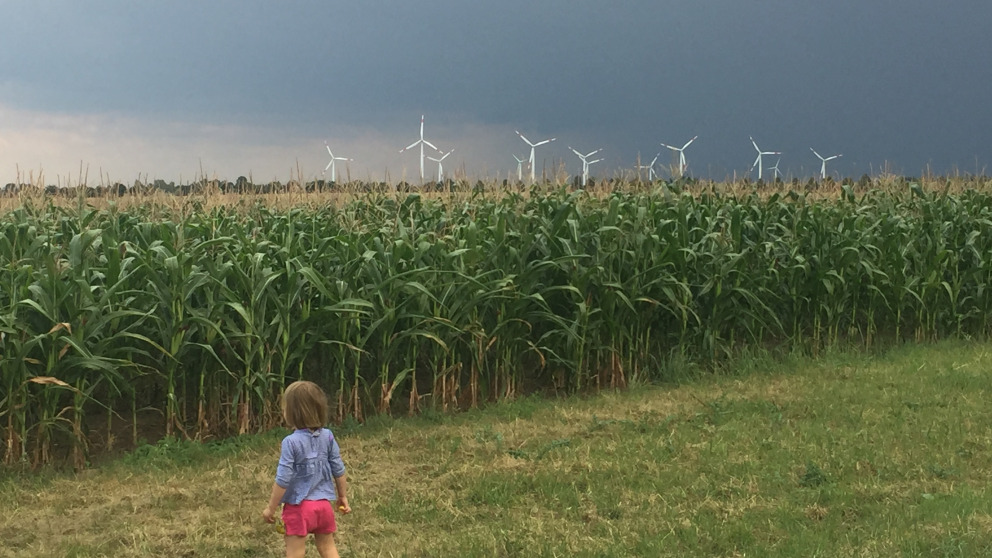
(401, 303)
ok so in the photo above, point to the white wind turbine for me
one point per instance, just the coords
(586, 162)
(422, 142)
(330, 165)
(823, 162)
(777, 173)
(440, 169)
(760, 153)
(520, 168)
(681, 150)
(532, 146)
(651, 173)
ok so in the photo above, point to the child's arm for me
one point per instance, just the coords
(341, 486)
(338, 471)
(284, 475)
(269, 512)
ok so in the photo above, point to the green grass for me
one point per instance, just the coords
(850, 455)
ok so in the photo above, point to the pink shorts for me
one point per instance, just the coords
(309, 516)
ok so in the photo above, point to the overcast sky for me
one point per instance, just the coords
(241, 87)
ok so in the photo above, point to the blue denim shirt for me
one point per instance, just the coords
(308, 465)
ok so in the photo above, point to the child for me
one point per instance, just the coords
(309, 461)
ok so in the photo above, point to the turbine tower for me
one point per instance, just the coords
(823, 162)
(330, 165)
(586, 162)
(760, 153)
(422, 142)
(532, 146)
(520, 168)
(440, 169)
(681, 150)
(777, 173)
(651, 173)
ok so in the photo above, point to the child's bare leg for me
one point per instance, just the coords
(296, 547)
(325, 545)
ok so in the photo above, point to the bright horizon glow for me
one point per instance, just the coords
(111, 148)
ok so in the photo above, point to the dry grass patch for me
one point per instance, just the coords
(810, 459)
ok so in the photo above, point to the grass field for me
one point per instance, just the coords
(849, 455)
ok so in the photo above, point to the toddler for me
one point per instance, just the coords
(310, 474)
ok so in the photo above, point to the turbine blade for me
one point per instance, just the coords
(688, 142)
(524, 138)
(431, 144)
(412, 145)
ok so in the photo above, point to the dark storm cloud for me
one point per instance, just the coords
(898, 81)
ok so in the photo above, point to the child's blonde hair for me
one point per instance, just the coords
(304, 405)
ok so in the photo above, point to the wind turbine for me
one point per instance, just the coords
(681, 150)
(440, 169)
(422, 142)
(651, 173)
(760, 153)
(823, 162)
(586, 162)
(777, 173)
(532, 146)
(330, 165)
(520, 168)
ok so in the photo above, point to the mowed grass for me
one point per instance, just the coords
(850, 455)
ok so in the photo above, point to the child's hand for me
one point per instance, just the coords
(269, 515)
(343, 506)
